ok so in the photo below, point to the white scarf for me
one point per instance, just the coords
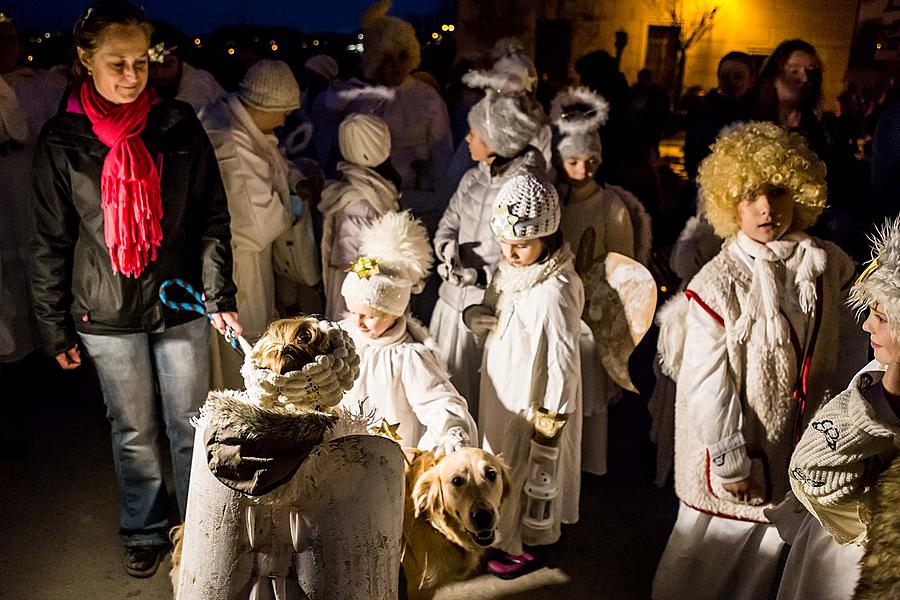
(761, 309)
(508, 279)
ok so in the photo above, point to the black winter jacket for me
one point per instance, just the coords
(73, 283)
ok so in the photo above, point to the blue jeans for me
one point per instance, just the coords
(132, 367)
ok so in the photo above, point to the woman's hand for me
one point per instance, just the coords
(70, 359)
(743, 490)
(226, 319)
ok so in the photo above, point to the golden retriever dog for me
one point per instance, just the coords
(452, 510)
(176, 536)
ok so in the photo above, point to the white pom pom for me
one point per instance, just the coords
(400, 241)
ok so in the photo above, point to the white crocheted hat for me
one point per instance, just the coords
(269, 85)
(507, 118)
(880, 281)
(318, 385)
(364, 140)
(576, 114)
(526, 208)
(395, 257)
(384, 35)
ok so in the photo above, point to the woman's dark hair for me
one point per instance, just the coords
(95, 20)
(739, 57)
(763, 94)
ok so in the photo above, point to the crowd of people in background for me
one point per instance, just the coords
(462, 233)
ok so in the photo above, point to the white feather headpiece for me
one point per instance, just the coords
(395, 257)
(880, 281)
(579, 122)
(500, 83)
(369, 92)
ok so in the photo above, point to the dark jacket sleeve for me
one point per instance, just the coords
(209, 209)
(53, 247)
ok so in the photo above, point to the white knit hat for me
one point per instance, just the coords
(880, 281)
(526, 208)
(576, 127)
(507, 118)
(384, 35)
(395, 257)
(324, 65)
(364, 140)
(269, 85)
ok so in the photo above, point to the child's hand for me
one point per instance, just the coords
(482, 324)
(450, 252)
(743, 490)
(450, 442)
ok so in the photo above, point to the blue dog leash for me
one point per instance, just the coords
(237, 342)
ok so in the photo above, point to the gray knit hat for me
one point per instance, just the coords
(526, 208)
(576, 114)
(269, 85)
(507, 118)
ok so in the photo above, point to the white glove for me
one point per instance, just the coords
(453, 440)
(450, 252)
(455, 276)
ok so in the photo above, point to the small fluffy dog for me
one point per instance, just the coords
(452, 510)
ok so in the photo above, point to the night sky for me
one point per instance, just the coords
(202, 16)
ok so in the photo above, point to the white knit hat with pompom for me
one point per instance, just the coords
(526, 208)
(395, 257)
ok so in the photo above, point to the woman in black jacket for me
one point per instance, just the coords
(127, 195)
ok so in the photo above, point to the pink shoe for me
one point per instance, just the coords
(512, 566)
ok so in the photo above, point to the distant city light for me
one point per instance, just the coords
(274, 47)
(196, 41)
(360, 37)
(435, 35)
(303, 45)
(231, 51)
(445, 27)
(450, 27)
(47, 35)
(878, 46)
(315, 42)
(30, 58)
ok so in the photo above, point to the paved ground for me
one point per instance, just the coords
(58, 524)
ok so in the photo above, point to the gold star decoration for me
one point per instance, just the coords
(388, 430)
(503, 221)
(365, 267)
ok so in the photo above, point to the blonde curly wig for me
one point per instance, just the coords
(751, 158)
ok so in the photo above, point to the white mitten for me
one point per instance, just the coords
(453, 440)
(482, 324)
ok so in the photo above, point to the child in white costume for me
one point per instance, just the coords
(761, 342)
(532, 317)
(848, 442)
(359, 196)
(501, 126)
(595, 220)
(401, 379)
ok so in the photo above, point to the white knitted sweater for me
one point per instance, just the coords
(841, 450)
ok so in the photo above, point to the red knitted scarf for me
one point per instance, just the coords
(129, 183)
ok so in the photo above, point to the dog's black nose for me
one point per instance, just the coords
(483, 518)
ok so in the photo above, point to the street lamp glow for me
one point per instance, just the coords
(274, 47)
(435, 35)
(360, 37)
(445, 27)
(450, 27)
(231, 51)
(196, 41)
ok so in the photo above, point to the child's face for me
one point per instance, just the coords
(371, 322)
(521, 254)
(876, 325)
(580, 167)
(479, 150)
(767, 216)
